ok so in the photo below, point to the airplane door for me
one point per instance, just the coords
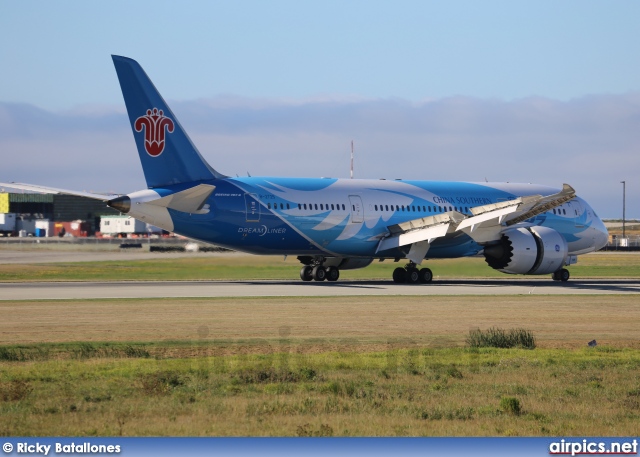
(253, 207)
(357, 210)
(579, 216)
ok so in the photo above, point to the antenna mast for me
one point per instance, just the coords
(351, 159)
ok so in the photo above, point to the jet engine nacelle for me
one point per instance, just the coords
(528, 251)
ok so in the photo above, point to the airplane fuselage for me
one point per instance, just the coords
(347, 218)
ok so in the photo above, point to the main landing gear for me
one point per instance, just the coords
(319, 273)
(561, 275)
(412, 275)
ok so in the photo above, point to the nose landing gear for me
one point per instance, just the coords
(561, 275)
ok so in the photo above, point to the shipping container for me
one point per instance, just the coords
(7, 223)
(75, 228)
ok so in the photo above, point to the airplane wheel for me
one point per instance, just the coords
(306, 273)
(564, 275)
(555, 276)
(319, 273)
(426, 275)
(413, 275)
(333, 274)
(399, 275)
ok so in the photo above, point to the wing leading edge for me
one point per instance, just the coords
(192, 200)
(55, 191)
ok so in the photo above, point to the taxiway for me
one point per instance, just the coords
(255, 288)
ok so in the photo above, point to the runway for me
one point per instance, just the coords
(254, 288)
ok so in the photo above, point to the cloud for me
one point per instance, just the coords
(591, 142)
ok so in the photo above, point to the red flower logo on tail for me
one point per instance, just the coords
(154, 123)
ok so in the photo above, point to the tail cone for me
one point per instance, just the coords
(122, 204)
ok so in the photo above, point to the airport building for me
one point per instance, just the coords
(49, 215)
(126, 225)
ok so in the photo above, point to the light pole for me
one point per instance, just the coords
(624, 197)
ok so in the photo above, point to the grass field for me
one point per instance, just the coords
(402, 392)
(344, 366)
(240, 266)
(315, 366)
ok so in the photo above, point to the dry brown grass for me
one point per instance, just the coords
(556, 321)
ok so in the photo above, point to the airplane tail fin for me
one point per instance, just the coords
(167, 154)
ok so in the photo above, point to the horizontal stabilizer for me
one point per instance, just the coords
(188, 201)
(53, 190)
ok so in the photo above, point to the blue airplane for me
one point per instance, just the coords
(340, 224)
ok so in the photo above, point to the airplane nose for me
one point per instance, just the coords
(601, 237)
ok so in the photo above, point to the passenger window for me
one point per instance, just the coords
(397, 208)
(376, 207)
(269, 205)
(321, 207)
(316, 206)
(331, 206)
(343, 208)
(554, 211)
(386, 207)
(288, 206)
(564, 211)
(439, 209)
(305, 206)
(299, 206)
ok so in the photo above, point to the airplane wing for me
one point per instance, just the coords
(188, 201)
(544, 204)
(419, 233)
(486, 223)
(53, 190)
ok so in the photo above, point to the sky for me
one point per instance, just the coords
(545, 92)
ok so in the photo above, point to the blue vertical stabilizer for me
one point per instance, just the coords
(167, 154)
